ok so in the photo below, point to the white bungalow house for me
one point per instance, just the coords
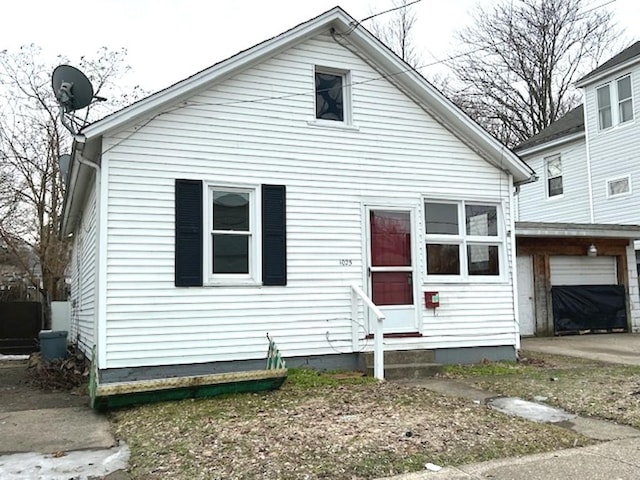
(588, 162)
(259, 195)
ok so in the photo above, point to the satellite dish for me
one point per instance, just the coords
(63, 163)
(71, 87)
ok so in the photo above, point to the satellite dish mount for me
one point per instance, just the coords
(74, 91)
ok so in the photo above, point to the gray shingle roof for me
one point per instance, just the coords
(625, 55)
(571, 122)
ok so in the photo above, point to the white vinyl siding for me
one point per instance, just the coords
(583, 270)
(83, 271)
(398, 153)
(573, 205)
(614, 154)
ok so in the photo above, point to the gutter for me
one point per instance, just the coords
(79, 145)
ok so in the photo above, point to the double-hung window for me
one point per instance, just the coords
(625, 100)
(463, 239)
(232, 237)
(553, 170)
(604, 107)
(615, 103)
(229, 234)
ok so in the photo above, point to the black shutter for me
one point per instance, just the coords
(274, 235)
(188, 233)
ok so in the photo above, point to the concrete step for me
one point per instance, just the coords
(409, 371)
(400, 357)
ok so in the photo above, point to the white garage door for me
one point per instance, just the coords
(583, 270)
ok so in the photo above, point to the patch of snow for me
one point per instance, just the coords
(13, 357)
(530, 410)
(79, 465)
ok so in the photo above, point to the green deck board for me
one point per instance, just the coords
(181, 393)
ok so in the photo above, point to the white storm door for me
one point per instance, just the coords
(391, 267)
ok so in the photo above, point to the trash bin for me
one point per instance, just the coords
(53, 344)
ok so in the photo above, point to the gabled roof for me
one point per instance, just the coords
(571, 124)
(359, 40)
(628, 56)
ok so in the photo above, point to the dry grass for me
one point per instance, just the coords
(321, 426)
(580, 386)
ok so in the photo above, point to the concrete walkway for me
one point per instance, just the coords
(51, 436)
(612, 347)
(617, 458)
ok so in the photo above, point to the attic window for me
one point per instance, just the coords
(331, 88)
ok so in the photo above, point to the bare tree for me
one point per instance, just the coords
(396, 28)
(525, 57)
(31, 141)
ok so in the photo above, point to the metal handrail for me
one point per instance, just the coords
(378, 347)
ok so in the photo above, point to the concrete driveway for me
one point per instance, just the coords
(612, 347)
(52, 435)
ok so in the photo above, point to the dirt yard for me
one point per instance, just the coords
(323, 426)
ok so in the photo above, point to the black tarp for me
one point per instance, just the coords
(589, 307)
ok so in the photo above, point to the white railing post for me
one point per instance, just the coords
(378, 345)
(354, 321)
(378, 351)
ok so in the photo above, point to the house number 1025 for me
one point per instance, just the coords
(346, 262)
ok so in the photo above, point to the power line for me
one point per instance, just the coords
(380, 77)
(388, 11)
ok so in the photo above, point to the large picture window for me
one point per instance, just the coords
(463, 239)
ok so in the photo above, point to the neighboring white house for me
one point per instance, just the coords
(252, 196)
(587, 174)
(588, 162)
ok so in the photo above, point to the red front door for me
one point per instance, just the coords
(391, 268)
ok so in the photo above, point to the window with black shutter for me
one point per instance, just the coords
(234, 252)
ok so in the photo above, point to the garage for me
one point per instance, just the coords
(583, 270)
(586, 297)
(576, 278)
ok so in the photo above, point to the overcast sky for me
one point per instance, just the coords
(168, 40)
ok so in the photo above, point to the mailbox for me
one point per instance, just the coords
(432, 299)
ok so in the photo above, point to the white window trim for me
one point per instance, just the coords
(614, 103)
(253, 278)
(347, 121)
(463, 240)
(600, 128)
(546, 160)
(614, 179)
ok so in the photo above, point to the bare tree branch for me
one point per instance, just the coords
(31, 141)
(396, 30)
(527, 55)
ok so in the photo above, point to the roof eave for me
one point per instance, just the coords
(551, 144)
(585, 81)
(431, 99)
(435, 103)
(595, 230)
(183, 89)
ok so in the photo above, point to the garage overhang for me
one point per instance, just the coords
(576, 230)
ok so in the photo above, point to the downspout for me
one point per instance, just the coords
(588, 153)
(80, 142)
(514, 277)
